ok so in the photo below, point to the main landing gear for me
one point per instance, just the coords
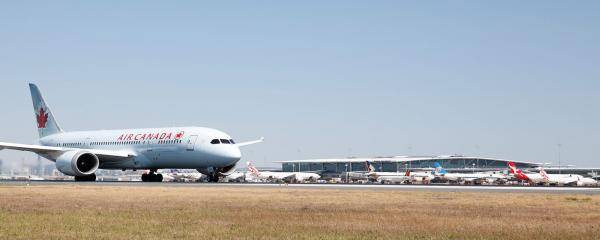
(214, 177)
(86, 178)
(152, 176)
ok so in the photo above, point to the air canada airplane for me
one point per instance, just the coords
(80, 154)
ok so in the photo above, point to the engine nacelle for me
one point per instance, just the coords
(227, 170)
(223, 171)
(77, 163)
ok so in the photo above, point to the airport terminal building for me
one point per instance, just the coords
(402, 163)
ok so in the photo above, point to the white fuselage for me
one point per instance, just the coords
(569, 179)
(471, 176)
(152, 148)
(285, 176)
(534, 177)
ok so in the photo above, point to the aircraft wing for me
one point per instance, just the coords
(29, 148)
(250, 142)
(47, 150)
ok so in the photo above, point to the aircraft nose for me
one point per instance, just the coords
(232, 153)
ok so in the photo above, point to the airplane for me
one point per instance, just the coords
(236, 176)
(567, 179)
(583, 181)
(366, 175)
(387, 177)
(176, 175)
(396, 177)
(281, 176)
(421, 177)
(467, 177)
(80, 154)
(534, 178)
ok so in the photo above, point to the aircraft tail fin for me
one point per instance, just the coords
(46, 123)
(543, 173)
(439, 169)
(252, 169)
(370, 167)
(513, 168)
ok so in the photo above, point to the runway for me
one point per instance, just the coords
(425, 188)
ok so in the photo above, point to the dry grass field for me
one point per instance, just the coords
(138, 212)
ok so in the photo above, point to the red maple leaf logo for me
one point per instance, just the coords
(42, 118)
(179, 135)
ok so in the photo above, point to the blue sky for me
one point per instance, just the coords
(507, 79)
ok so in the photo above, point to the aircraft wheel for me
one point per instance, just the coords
(213, 178)
(145, 177)
(158, 177)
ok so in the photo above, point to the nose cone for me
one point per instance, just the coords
(231, 154)
(235, 153)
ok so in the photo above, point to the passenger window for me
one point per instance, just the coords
(225, 141)
(214, 141)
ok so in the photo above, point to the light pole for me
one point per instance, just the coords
(559, 165)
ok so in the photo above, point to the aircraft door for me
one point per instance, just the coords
(191, 142)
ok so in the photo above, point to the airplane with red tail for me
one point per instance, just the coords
(534, 178)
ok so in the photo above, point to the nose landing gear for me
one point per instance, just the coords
(211, 173)
(152, 176)
(214, 177)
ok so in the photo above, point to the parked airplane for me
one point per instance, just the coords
(236, 176)
(387, 177)
(281, 176)
(478, 177)
(583, 181)
(534, 178)
(567, 179)
(424, 177)
(80, 154)
(177, 175)
(396, 177)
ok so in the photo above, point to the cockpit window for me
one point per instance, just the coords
(225, 141)
(231, 140)
(215, 141)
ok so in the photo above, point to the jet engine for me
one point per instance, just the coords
(77, 163)
(227, 170)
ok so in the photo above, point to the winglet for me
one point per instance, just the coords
(250, 142)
